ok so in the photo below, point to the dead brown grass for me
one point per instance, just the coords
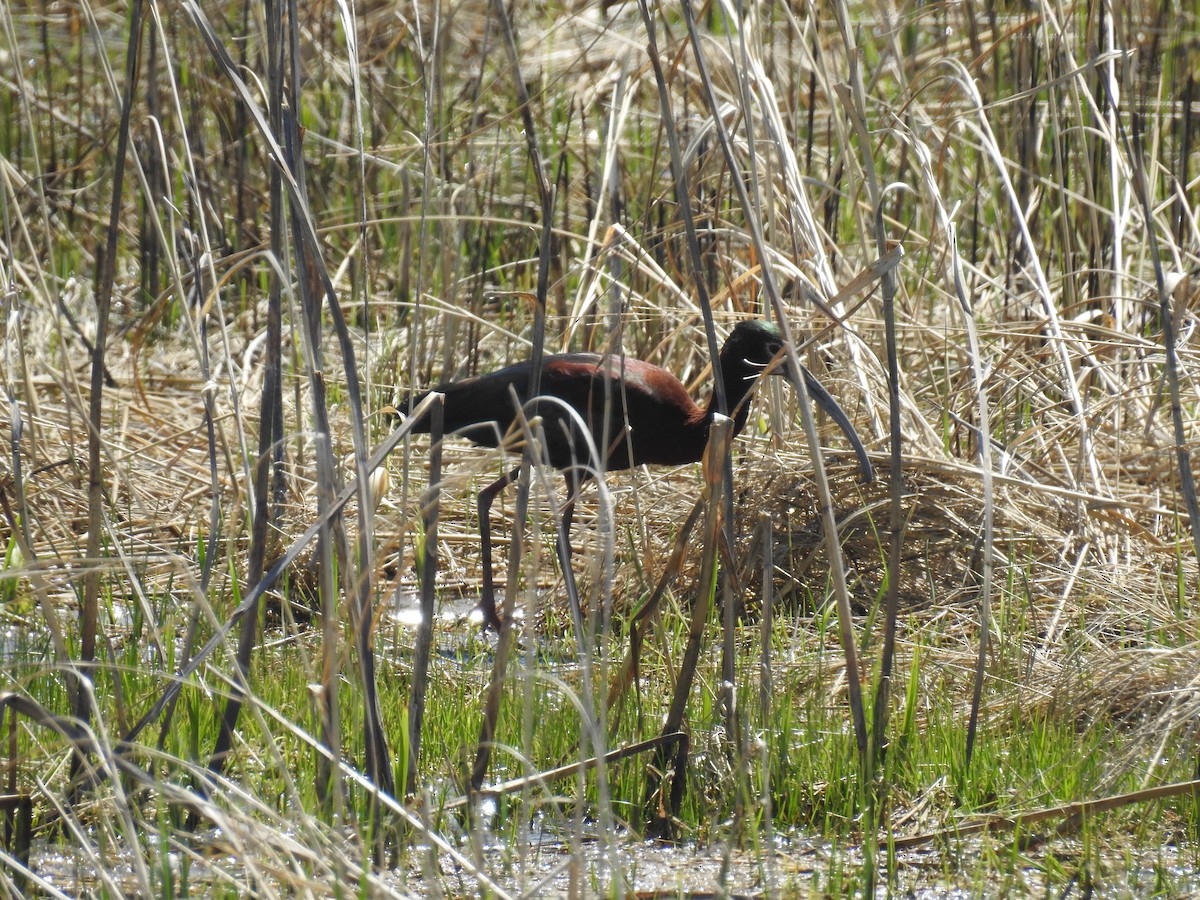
(1014, 184)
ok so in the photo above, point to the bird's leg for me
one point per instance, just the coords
(568, 512)
(487, 599)
(562, 542)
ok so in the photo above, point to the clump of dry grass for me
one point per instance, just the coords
(1040, 174)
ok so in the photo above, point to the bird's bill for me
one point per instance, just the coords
(825, 400)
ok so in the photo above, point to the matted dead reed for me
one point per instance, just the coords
(994, 206)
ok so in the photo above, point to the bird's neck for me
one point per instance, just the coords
(738, 380)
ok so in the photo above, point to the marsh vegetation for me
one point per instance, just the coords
(235, 599)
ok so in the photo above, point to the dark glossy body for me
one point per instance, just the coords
(665, 426)
(640, 413)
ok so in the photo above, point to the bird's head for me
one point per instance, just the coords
(752, 347)
(757, 346)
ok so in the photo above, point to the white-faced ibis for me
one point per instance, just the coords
(650, 416)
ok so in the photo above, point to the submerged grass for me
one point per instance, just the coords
(1036, 166)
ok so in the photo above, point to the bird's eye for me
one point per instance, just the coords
(774, 347)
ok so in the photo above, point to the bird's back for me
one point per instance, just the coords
(656, 406)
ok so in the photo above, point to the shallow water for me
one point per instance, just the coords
(551, 865)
